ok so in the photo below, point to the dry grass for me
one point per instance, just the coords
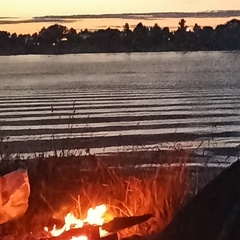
(59, 186)
(160, 193)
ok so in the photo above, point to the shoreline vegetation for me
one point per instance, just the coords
(58, 39)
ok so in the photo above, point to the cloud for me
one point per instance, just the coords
(137, 16)
(207, 14)
(7, 18)
(33, 20)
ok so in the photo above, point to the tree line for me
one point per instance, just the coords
(58, 39)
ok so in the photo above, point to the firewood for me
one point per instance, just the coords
(114, 236)
(120, 223)
(91, 231)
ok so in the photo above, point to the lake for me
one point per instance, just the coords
(119, 102)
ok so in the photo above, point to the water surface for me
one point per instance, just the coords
(114, 102)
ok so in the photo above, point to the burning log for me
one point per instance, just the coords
(113, 236)
(90, 231)
(124, 222)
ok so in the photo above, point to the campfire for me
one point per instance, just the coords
(93, 227)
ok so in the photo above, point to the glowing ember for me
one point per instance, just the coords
(94, 217)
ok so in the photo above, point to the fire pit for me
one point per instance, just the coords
(93, 226)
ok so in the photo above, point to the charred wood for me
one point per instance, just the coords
(120, 223)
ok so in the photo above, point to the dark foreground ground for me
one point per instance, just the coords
(62, 184)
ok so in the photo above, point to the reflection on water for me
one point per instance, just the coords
(111, 101)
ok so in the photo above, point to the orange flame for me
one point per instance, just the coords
(94, 217)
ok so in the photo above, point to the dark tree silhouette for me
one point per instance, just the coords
(181, 40)
(58, 39)
(182, 25)
(71, 35)
(208, 38)
(156, 38)
(126, 28)
(140, 37)
(53, 34)
(4, 36)
(197, 29)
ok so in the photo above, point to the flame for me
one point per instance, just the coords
(79, 238)
(94, 217)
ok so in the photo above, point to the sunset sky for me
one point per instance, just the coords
(27, 9)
